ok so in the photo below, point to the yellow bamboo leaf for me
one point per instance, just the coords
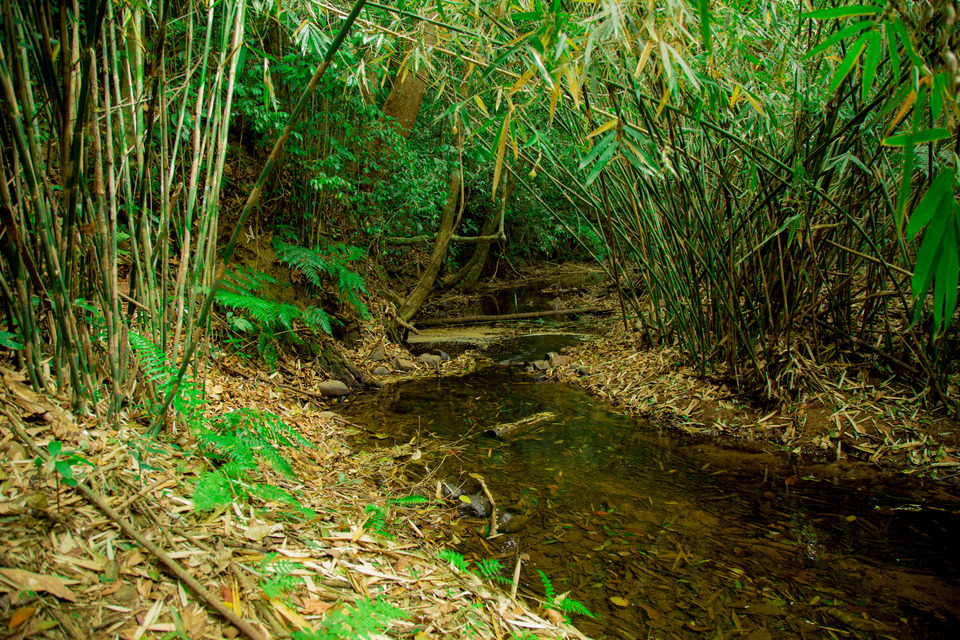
(663, 102)
(753, 102)
(902, 113)
(522, 81)
(620, 602)
(734, 97)
(574, 86)
(555, 97)
(647, 48)
(610, 124)
(482, 106)
(501, 148)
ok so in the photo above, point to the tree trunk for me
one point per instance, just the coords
(420, 292)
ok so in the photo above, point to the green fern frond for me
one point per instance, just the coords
(367, 620)
(277, 586)
(315, 317)
(408, 501)
(490, 568)
(212, 491)
(245, 280)
(263, 311)
(568, 605)
(549, 593)
(454, 558)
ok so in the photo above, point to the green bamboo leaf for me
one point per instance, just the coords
(848, 61)
(901, 32)
(598, 148)
(843, 12)
(705, 22)
(930, 204)
(892, 48)
(837, 37)
(601, 163)
(936, 95)
(870, 63)
(948, 277)
(920, 137)
(927, 257)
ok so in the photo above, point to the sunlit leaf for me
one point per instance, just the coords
(920, 137)
(843, 12)
(870, 62)
(837, 37)
(848, 61)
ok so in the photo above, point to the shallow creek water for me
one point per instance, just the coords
(663, 536)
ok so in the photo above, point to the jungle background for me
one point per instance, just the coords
(769, 188)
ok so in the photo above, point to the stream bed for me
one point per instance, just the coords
(662, 535)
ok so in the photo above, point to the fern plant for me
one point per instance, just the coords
(237, 441)
(366, 620)
(328, 262)
(263, 318)
(278, 578)
(561, 603)
(488, 569)
(188, 402)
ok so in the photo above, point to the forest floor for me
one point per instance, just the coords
(353, 550)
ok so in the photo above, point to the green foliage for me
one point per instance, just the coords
(376, 520)
(189, 399)
(409, 501)
(278, 578)
(488, 568)
(62, 462)
(320, 263)
(366, 620)
(561, 603)
(237, 442)
(261, 317)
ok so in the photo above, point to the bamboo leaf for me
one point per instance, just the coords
(930, 204)
(598, 148)
(920, 137)
(847, 65)
(501, 149)
(837, 37)
(610, 124)
(901, 32)
(705, 22)
(843, 12)
(892, 48)
(870, 63)
(602, 162)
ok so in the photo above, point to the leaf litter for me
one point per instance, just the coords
(349, 547)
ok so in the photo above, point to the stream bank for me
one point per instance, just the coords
(658, 530)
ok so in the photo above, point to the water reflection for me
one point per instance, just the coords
(663, 536)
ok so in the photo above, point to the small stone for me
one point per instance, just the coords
(478, 507)
(381, 371)
(550, 355)
(431, 359)
(405, 365)
(541, 365)
(443, 355)
(378, 355)
(333, 388)
(560, 361)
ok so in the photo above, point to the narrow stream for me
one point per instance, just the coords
(663, 536)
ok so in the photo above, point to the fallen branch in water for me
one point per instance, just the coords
(511, 428)
(513, 316)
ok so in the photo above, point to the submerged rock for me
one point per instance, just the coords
(451, 491)
(478, 507)
(511, 522)
(333, 388)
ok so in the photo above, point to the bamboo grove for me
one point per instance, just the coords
(769, 181)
